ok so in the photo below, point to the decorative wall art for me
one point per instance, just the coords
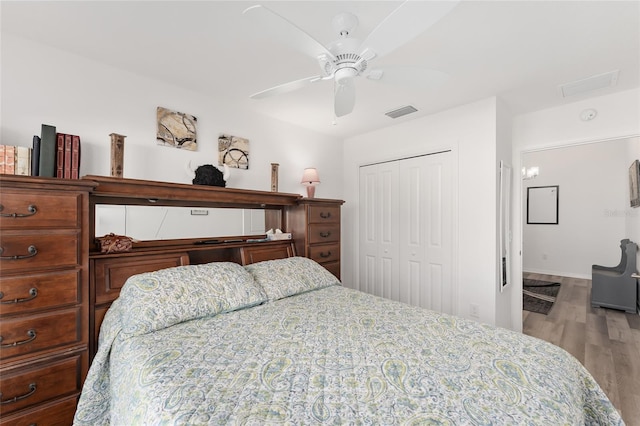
(542, 205)
(233, 152)
(176, 129)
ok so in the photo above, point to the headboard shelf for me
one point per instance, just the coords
(110, 190)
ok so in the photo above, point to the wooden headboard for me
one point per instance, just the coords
(108, 272)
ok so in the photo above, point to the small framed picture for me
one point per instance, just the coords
(634, 187)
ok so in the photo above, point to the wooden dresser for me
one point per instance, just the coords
(44, 305)
(315, 224)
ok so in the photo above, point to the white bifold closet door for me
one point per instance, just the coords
(406, 231)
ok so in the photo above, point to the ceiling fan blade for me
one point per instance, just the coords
(345, 96)
(286, 32)
(286, 87)
(409, 20)
(423, 78)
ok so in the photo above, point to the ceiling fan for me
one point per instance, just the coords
(347, 58)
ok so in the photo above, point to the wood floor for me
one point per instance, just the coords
(605, 341)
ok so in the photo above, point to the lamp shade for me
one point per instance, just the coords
(310, 176)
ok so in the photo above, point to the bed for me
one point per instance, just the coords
(282, 342)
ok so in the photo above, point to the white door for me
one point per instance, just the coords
(405, 231)
(378, 264)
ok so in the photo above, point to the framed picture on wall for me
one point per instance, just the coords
(634, 188)
(542, 205)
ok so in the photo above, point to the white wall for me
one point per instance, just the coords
(470, 132)
(593, 198)
(618, 116)
(83, 97)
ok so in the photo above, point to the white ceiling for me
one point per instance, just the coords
(519, 51)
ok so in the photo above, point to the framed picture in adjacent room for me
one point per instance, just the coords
(542, 205)
(634, 187)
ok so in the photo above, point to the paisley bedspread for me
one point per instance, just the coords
(334, 356)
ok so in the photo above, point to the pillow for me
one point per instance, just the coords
(159, 299)
(285, 277)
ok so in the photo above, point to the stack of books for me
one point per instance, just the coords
(15, 160)
(52, 155)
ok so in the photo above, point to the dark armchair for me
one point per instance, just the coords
(614, 287)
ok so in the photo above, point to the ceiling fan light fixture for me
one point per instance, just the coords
(345, 74)
(399, 112)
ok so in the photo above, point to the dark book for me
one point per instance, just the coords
(60, 155)
(35, 156)
(47, 151)
(75, 157)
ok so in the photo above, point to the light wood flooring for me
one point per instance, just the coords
(605, 341)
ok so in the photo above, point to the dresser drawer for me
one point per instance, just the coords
(23, 387)
(324, 214)
(325, 253)
(31, 333)
(260, 253)
(27, 251)
(25, 293)
(59, 413)
(110, 274)
(324, 233)
(35, 209)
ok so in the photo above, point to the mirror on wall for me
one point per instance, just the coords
(146, 223)
(505, 225)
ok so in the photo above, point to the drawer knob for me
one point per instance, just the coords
(325, 234)
(31, 333)
(32, 251)
(31, 211)
(32, 390)
(33, 293)
(325, 215)
(322, 254)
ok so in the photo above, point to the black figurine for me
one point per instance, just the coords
(209, 175)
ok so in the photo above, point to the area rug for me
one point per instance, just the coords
(539, 296)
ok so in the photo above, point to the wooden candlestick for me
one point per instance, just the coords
(117, 154)
(274, 177)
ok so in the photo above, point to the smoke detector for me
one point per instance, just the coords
(588, 114)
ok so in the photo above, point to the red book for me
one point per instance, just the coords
(75, 157)
(60, 155)
(67, 157)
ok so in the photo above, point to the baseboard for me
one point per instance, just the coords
(558, 273)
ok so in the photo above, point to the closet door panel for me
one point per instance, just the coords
(405, 231)
(379, 229)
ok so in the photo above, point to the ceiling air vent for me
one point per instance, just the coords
(400, 111)
(594, 82)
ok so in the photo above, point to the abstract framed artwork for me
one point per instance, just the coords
(233, 152)
(176, 129)
(634, 186)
